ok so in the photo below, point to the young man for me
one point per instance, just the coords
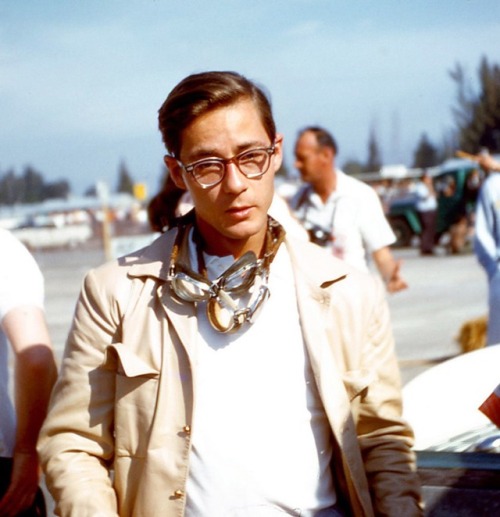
(341, 213)
(22, 329)
(228, 370)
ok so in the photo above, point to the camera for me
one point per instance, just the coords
(319, 235)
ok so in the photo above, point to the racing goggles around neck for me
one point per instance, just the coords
(223, 311)
(194, 287)
(226, 316)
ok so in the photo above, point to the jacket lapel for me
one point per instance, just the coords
(154, 262)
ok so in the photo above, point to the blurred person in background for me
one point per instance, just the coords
(23, 326)
(427, 212)
(487, 240)
(342, 213)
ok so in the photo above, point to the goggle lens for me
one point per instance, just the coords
(190, 289)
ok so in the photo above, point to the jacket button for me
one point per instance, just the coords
(187, 429)
(178, 493)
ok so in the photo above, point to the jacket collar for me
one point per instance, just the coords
(153, 260)
(317, 265)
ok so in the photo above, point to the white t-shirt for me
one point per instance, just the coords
(425, 200)
(353, 214)
(261, 442)
(21, 283)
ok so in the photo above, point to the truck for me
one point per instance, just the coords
(457, 184)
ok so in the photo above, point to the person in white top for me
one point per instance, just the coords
(229, 368)
(23, 326)
(342, 213)
(427, 210)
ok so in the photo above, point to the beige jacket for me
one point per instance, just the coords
(124, 399)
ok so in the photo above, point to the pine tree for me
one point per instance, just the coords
(125, 181)
(374, 161)
(426, 155)
(478, 114)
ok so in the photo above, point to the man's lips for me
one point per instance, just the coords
(239, 211)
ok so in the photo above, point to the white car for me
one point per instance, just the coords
(457, 446)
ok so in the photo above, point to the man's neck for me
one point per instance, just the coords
(326, 186)
(214, 243)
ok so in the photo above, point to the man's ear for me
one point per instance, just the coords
(175, 172)
(328, 155)
(278, 153)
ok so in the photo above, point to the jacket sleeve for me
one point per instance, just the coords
(384, 437)
(76, 443)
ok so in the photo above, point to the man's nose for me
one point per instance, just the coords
(234, 179)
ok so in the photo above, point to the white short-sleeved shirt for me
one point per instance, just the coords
(21, 283)
(353, 214)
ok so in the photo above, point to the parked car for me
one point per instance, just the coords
(456, 183)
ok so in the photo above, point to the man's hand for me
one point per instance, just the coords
(389, 269)
(23, 485)
(396, 282)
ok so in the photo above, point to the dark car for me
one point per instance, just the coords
(457, 184)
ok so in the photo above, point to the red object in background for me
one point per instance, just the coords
(491, 406)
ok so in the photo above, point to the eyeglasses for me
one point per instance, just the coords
(209, 172)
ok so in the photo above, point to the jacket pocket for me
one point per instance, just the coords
(136, 393)
(357, 382)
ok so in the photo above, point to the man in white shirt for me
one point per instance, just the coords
(228, 369)
(342, 213)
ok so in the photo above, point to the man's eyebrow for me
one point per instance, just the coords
(202, 153)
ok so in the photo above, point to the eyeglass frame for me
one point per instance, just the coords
(225, 162)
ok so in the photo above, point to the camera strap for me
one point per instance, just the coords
(302, 209)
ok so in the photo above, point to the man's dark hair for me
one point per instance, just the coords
(201, 93)
(323, 137)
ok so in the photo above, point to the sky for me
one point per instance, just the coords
(81, 82)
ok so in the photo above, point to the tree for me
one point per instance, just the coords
(9, 189)
(91, 191)
(125, 181)
(426, 155)
(32, 186)
(478, 114)
(374, 161)
(56, 190)
(353, 167)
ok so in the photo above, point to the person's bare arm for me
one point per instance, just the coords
(488, 163)
(35, 374)
(389, 269)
